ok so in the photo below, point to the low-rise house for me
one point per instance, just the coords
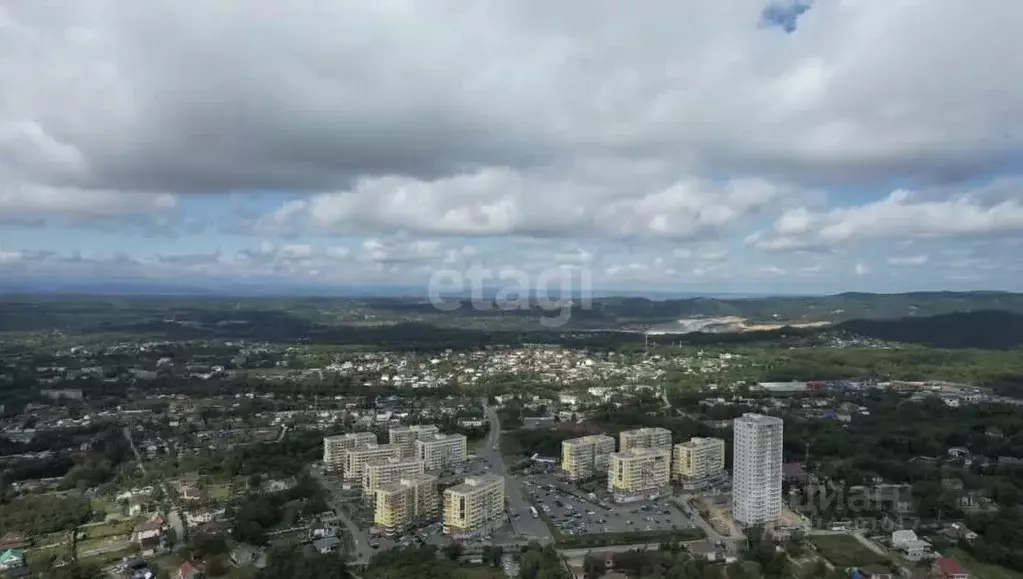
(248, 555)
(911, 546)
(151, 535)
(872, 571)
(947, 568)
(959, 532)
(12, 559)
(188, 570)
(327, 545)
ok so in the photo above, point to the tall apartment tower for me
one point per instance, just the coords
(474, 507)
(406, 436)
(405, 503)
(644, 438)
(356, 459)
(756, 469)
(335, 447)
(587, 456)
(379, 473)
(442, 452)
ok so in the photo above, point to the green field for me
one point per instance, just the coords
(844, 551)
(120, 527)
(979, 570)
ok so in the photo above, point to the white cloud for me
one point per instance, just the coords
(496, 202)
(674, 130)
(861, 269)
(908, 260)
(900, 215)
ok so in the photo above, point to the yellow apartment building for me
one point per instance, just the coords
(586, 457)
(698, 459)
(406, 436)
(440, 452)
(637, 473)
(378, 474)
(644, 438)
(334, 447)
(357, 458)
(409, 502)
(474, 507)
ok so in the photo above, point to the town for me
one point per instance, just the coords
(207, 458)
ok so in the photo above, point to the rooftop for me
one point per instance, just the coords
(760, 419)
(472, 483)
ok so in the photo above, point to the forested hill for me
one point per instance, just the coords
(833, 308)
(994, 329)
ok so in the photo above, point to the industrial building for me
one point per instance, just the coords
(475, 507)
(441, 452)
(644, 438)
(357, 458)
(698, 462)
(406, 436)
(334, 447)
(639, 473)
(378, 474)
(757, 469)
(409, 502)
(586, 457)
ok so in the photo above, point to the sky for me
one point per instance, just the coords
(689, 146)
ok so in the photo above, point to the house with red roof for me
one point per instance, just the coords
(947, 568)
(188, 570)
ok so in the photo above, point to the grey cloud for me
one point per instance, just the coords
(194, 96)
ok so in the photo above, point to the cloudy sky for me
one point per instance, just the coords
(739, 146)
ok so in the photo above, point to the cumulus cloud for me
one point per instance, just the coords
(496, 202)
(900, 215)
(416, 133)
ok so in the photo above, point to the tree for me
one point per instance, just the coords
(453, 550)
(593, 568)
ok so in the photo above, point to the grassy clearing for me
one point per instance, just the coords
(220, 492)
(981, 570)
(108, 529)
(844, 551)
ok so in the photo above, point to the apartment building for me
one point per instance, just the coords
(409, 502)
(644, 438)
(378, 474)
(757, 469)
(698, 460)
(441, 452)
(475, 507)
(586, 457)
(335, 447)
(357, 458)
(406, 436)
(638, 473)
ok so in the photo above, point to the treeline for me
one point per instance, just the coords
(254, 514)
(990, 329)
(42, 514)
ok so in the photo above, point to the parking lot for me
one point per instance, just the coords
(575, 515)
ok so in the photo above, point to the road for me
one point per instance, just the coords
(173, 514)
(361, 549)
(524, 525)
(698, 520)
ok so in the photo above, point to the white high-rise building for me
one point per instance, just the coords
(756, 469)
